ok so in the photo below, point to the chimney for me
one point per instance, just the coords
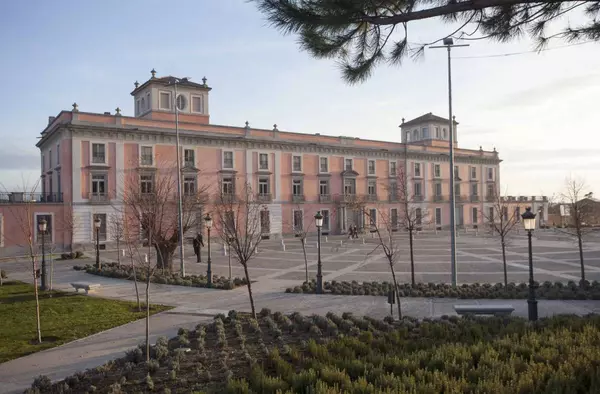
(106, 112)
(51, 119)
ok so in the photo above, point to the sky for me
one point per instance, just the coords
(539, 110)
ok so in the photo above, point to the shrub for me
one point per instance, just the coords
(3, 274)
(42, 383)
(264, 312)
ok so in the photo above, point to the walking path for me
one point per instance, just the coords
(195, 305)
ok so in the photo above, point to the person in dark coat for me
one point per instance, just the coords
(198, 242)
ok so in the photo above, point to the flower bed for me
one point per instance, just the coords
(546, 290)
(352, 354)
(114, 270)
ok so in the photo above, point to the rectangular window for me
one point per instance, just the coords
(392, 168)
(98, 185)
(474, 215)
(490, 172)
(437, 172)
(48, 233)
(49, 158)
(50, 185)
(102, 229)
(490, 190)
(371, 167)
(323, 164)
(165, 100)
(58, 186)
(197, 104)
(189, 185)
(393, 189)
(417, 169)
(348, 165)
(437, 133)
(297, 187)
(146, 155)
(325, 213)
(418, 191)
(438, 216)
(138, 108)
(373, 217)
(263, 186)
(505, 213)
(418, 216)
(473, 172)
(491, 214)
(456, 173)
(189, 158)
(425, 133)
(99, 153)
(372, 188)
(517, 214)
(438, 189)
(474, 188)
(228, 159)
(457, 189)
(394, 218)
(230, 223)
(146, 184)
(297, 163)
(349, 186)
(263, 161)
(57, 154)
(265, 222)
(323, 187)
(227, 186)
(298, 225)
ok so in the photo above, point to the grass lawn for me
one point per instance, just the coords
(64, 318)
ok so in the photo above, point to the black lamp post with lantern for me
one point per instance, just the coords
(529, 224)
(319, 224)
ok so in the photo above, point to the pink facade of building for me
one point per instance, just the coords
(89, 159)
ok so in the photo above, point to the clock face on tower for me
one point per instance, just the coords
(181, 102)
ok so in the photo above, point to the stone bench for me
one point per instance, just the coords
(497, 310)
(85, 286)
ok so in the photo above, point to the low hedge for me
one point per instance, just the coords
(114, 270)
(72, 255)
(547, 290)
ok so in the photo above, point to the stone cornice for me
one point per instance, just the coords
(195, 138)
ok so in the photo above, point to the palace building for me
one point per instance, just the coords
(85, 156)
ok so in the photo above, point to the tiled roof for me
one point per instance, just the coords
(430, 117)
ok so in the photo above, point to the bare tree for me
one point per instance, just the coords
(238, 221)
(151, 203)
(117, 232)
(301, 229)
(412, 216)
(581, 213)
(23, 214)
(132, 252)
(502, 220)
(384, 225)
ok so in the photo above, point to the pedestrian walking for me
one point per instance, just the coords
(198, 243)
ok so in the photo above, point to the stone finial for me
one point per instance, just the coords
(275, 127)
(75, 107)
(402, 120)
(136, 84)
(204, 81)
(495, 149)
(480, 148)
(117, 111)
(153, 72)
(247, 124)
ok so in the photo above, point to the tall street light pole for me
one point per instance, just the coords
(449, 44)
(319, 224)
(174, 82)
(529, 224)
(42, 227)
(208, 222)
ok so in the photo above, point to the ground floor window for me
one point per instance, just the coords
(394, 218)
(265, 222)
(475, 215)
(298, 220)
(325, 213)
(438, 216)
(373, 217)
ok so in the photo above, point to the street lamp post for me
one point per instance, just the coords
(208, 222)
(174, 82)
(97, 224)
(42, 227)
(529, 224)
(319, 224)
(449, 44)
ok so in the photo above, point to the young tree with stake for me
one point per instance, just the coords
(238, 222)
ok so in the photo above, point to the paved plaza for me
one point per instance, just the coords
(273, 270)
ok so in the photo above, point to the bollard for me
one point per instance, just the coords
(145, 258)
(224, 250)
(283, 246)
(123, 252)
(341, 243)
(256, 250)
(325, 239)
(363, 240)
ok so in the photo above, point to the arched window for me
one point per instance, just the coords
(415, 135)
(445, 133)
(143, 104)
(408, 136)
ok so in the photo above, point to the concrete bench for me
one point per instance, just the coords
(497, 310)
(85, 286)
